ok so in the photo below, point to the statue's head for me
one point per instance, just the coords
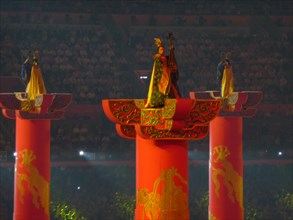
(160, 45)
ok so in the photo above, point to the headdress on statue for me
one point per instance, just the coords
(158, 42)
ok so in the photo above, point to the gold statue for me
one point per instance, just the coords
(36, 85)
(225, 76)
(161, 78)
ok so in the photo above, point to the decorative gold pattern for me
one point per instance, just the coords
(139, 103)
(169, 108)
(191, 123)
(151, 116)
(39, 100)
(158, 116)
(197, 133)
(36, 184)
(41, 103)
(231, 179)
(28, 105)
(169, 124)
(125, 111)
(127, 130)
(25, 103)
(202, 112)
(172, 204)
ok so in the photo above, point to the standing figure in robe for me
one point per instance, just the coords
(160, 79)
(36, 85)
(174, 73)
(225, 76)
(26, 71)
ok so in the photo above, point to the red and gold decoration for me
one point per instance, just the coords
(29, 180)
(32, 173)
(167, 200)
(32, 164)
(226, 162)
(162, 136)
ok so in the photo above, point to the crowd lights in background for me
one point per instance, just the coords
(87, 155)
(143, 77)
(191, 155)
(81, 153)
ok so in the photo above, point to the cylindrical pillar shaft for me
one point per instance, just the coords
(32, 170)
(161, 179)
(226, 169)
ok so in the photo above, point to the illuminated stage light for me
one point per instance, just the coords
(81, 153)
(280, 153)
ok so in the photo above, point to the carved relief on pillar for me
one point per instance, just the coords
(170, 203)
(30, 181)
(225, 176)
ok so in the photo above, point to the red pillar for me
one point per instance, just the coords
(161, 179)
(226, 169)
(32, 165)
(226, 163)
(32, 170)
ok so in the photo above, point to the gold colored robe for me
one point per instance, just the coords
(36, 85)
(160, 83)
(227, 82)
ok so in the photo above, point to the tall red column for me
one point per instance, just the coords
(32, 169)
(226, 162)
(32, 164)
(226, 169)
(161, 179)
(162, 136)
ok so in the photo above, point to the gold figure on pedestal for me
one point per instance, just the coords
(164, 77)
(225, 76)
(225, 80)
(36, 85)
